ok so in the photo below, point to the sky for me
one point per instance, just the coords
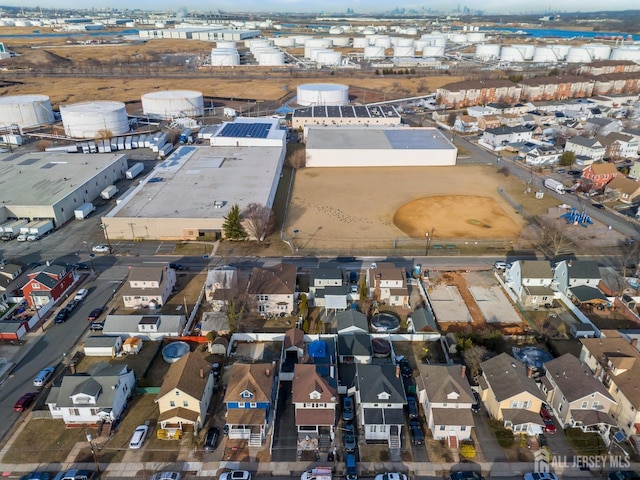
(359, 6)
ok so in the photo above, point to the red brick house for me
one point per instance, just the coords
(47, 282)
(600, 174)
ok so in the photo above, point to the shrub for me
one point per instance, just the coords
(468, 451)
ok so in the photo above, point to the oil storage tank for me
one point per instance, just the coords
(330, 94)
(511, 54)
(173, 103)
(598, 51)
(545, 55)
(360, 42)
(628, 53)
(92, 119)
(561, 50)
(286, 42)
(270, 58)
(433, 51)
(329, 58)
(404, 51)
(487, 51)
(373, 51)
(341, 41)
(224, 57)
(527, 50)
(25, 110)
(578, 55)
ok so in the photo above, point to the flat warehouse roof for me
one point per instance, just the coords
(245, 130)
(45, 178)
(193, 180)
(373, 138)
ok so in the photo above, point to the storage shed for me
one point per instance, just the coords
(219, 346)
(102, 346)
(132, 345)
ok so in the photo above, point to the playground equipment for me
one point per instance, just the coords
(576, 217)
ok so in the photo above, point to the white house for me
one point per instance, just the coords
(588, 147)
(573, 273)
(274, 289)
(497, 138)
(98, 395)
(354, 347)
(102, 345)
(531, 281)
(328, 288)
(543, 156)
(147, 327)
(388, 283)
(148, 286)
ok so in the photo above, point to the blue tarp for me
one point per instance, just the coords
(318, 349)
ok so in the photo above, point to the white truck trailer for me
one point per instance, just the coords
(134, 171)
(84, 210)
(41, 227)
(14, 226)
(554, 185)
(109, 192)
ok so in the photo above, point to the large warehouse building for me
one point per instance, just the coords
(41, 185)
(378, 147)
(188, 195)
(345, 115)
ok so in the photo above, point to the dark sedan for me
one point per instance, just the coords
(417, 436)
(62, 315)
(24, 401)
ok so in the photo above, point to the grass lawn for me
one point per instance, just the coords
(191, 249)
(585, 443)
(44, 441)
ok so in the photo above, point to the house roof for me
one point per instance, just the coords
(535, 269)
(586, 293)
(179, 413)
(537, 81)
(386, 271)
(374, 380)
(294, 337)
(46, 280)
(145, 274)
(477, 85)
(246, 416)
(256, 378)
(624, 185)
(583, 269)
(9, 269)
(383, 416)
(55, 270)
(352, 318)
(592, 417)
(519, 416)
(602, 168)
(452, 416)
(315, 416)
(277, 280)
(585, 142)
(307, 379)
(573, 378)
(326, 273)
(507, 377)
(443, 380)
(96, 341)
(115, 324)
(189, 375)
(423, 320)
(354, 344)
(506, 130)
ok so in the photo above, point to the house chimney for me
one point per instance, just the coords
(267, 372)
(634, 342)
(202, 373)
(463, 371)
(72, 368)
(397, 371)
(529, 371)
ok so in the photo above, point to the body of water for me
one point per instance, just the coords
(549, 32)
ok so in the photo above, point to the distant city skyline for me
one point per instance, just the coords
(337, 6)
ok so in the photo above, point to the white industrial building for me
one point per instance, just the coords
(173, 103)
(49, 185)
(356, 146)
(345, 115)
(25, 111)
(94, 119)
(188, 195)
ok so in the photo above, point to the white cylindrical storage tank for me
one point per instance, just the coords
(418, 45)
(310, 52)
(226, 44)
(384, 42)
(406, 51)
(286, 42)
(404, 42)
(172, 103)
(527, 50)
(628, 53)
(511, 54)
(330, 94)
(459, 38)
(301, 39)
(92, 119)
(411, 31)
(258, 43)
(476, 37)
(369, 31)
(432, 51)
(598, 51)
(341, 41)
(439, 40)
(329, 58)
(544, 55)
(561, 50)
(335, 30)
(360, 42)
(271, 58)
(23, 23)
(25, 110)
(578, 55)
(319, 43)
(488, 51)
(224, 57)
(374, 52)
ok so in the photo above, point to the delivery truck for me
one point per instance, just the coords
(134, 171)
(554, 185)
(14, 227)
(185, 136)
(109, 192)
(41, 227)
(84, 210)
(26, 229)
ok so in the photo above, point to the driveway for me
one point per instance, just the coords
(486, 440)
(285, 436)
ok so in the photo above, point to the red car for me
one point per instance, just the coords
(24, 401)
(545, 414)
(549, 427)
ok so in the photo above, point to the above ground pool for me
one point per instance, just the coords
(384, 323)
(175, 351)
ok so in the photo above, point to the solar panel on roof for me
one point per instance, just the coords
(245, 130)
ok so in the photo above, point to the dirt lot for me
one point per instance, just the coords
(138, 363)
(43, 441)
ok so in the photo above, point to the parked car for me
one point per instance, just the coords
(391, 476)
(166, 476)
(549, 427)
(235, 475)
(22, 237)
(599, 206)
(475, 407)
(412, 407)
(351, 465)
(72, 305)
(81, 294)
(561, 170)
(139, 436)
(43, 377)
(80, 266)
(540, 476)
(415, 428)
(176, 266)
(35, 476)
(465, 475)
(545, 413)
(95, 313)
(101, 249)
(24, 401)
(349, 438)
(623, 475)
(501, 265)
(211, 439)
(405, 368)
(347, 409)
(575, 173)
(76, 475)
(62, 315)
(97, 326)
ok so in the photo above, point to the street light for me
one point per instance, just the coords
(93, 450)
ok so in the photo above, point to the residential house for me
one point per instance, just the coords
(589, 147)
(380, 400)
(619, 146)
(422, 320)
(572, 273)
(388, 283)
(315, 397)
(602, 126)
(146, 327)
(274, 289)
(249, 400)
(599, 174)
(530, 281)
(9, 287)
(447, 399)
(487, 122)
(469, 93)
(352, 321)
(102, 345)
(510, 119)
(354, 347)
(623, 189)
(328, 288)
(634, 171)
(616, 363)
(148, 287)
(543, 155)
(511, 395)
(292, 352)
(478, 111)
(220, 281)
(96, 396)
(185, 396)
(556, 88)
(46, 283)
(498, 138)
(465, 124)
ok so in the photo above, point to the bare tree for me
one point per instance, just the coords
(296, 155)
(258, 220)
(473, 356)
(553, 241)
(238, 304)
(629, 256)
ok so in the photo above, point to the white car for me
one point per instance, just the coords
(33, 238)
(139, 436)
(235, 475)
(43, 377)
(166, 476)
(81, 294)
(540, 476)
(391, 476)
(22, 237)
(101, 249)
